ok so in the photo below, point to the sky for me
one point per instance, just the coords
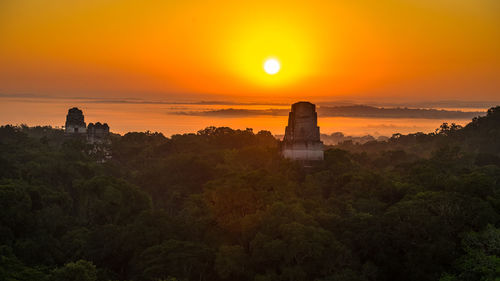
(406, 50)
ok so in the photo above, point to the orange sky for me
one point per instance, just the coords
(191, 50)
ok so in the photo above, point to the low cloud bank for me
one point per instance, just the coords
(232, 112)
(363, 111)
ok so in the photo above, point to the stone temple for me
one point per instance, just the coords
(302, 138)
(97, 133)
(75, 122)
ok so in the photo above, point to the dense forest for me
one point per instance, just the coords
(223, 204)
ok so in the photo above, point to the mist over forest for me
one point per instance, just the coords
(339, 137)
(223, 204)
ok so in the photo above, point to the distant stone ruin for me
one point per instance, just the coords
(75, 122)
(97, 133)
(302, 137)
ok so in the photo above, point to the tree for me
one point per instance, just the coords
(173, 258)
(80, 270)
(231, 263)
(481, 260)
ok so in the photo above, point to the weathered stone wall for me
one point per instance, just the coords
(97, 133)
(302, 137)
(304, 152)
(302, 123)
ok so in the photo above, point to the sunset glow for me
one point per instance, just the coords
(198, 49)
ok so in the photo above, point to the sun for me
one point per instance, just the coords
(272, 66)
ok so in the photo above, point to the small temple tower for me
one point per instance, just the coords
(75, 123)
(98, 133)
(302, 138)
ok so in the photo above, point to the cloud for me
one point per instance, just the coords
(361, 111)
(130, 100)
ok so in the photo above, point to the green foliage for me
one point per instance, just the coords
(481, 260)
(12, 269)
(223, 204)
(231, 262)
(186, 260)
(81, 270)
